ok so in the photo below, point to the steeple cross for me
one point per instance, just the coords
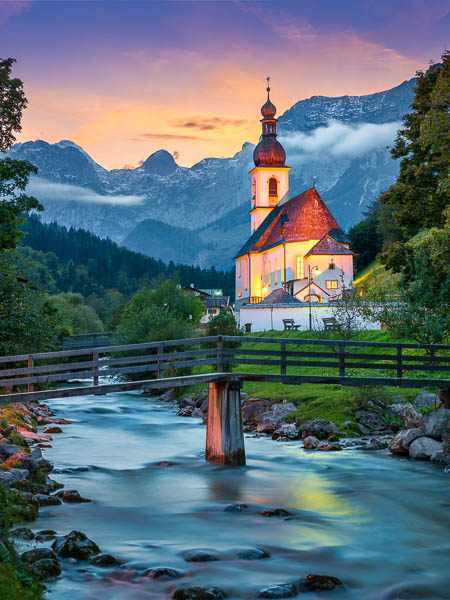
(268, 83)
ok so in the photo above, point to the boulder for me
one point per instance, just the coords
(400, 444)
(439, 458)
(53, 429)
(254, 408)
(271, 419)
(327, 447)
(437, 423)
(410, 416)
(104, 560)
(7, 450)
(321, 583)
(46, 568)
(169, 396)
(13, 476)
(426, 400)
(75, 545)
(31, 556)
(71, 496)
(283, 590)
(310, 442)
(275, 512)
(423, 448)
(22, 533)
(44, 500)
(319, 428)
(199, 593)
(286, 432)
(45, 535)
(201, 556)
(164, 573)
(251, 554)
(370, 419)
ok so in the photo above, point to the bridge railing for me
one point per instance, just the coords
(338, 360)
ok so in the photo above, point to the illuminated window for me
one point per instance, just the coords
(239, 268)
(245, 272)
(269, 275)
(253, 192)
(276, 270)
(332, 284)
(264, 273)
(299, 270)
(273, 187)
(240, 292)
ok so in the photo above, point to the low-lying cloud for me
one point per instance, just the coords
(209, 123)
(48, 190)
(338, 139)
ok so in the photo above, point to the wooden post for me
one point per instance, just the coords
(283, 358)
(341, 360)
(159, 350)
(95, 368)
(30, 365)
(220, 354)
(224, 434)
(399, 362)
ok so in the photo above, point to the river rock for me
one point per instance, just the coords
(283, 590)
(46, 568)
(254, 408)
(310, 442)
(326, 446)
(44, 500)
(164, 573)
(272, 418)
(235, 507)
(286, 432)
(370, 419)
(251, 554)
(321, 583)
(13, 476)
(410, 416)
(423, 448)
(45, 535)
(201, 556)
(186, 411)
(75, 545)
(275, 512)
(426, 400)
(319, 428)
(7, 450)
(437, 423)
(400, 444)
(439, 458)
(71, 496)
(31, 556)
(199, 593)
(104, 560)
(169, 396)
(22, 533)
(53, 429)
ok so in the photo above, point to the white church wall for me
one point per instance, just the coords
(271, 318)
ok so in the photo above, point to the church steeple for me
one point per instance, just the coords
(269, 151)
(270, 176)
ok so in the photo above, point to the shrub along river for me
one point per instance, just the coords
(377, 522)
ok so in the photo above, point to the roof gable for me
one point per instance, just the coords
(279, 296)
(328, 245)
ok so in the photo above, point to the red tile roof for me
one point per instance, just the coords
(328, 245)
(304, 217)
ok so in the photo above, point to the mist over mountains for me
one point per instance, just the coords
(199, 215)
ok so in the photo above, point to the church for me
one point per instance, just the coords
(295, 245)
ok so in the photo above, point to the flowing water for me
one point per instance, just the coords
(379, 523)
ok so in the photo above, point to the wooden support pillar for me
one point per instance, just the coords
(224, 434)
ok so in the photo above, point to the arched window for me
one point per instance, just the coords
(299, 268)
(313, 298)
(273, 187)
(240, 292)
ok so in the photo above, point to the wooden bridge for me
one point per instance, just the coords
(218, 361)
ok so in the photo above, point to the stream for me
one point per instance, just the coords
(381, 524)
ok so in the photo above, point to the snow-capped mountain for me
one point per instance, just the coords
(340, 143)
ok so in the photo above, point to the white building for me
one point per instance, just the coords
(295, 244)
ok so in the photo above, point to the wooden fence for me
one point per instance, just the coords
(346, 362)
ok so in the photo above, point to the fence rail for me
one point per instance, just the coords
(285, 360)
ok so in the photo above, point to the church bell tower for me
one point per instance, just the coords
(270, 176)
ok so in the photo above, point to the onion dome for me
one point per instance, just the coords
(269, 152)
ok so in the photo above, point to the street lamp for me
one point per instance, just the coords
(309, 287)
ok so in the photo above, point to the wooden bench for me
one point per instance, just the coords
(329, 324)
(290, 325)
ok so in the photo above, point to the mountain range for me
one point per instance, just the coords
(199, 215)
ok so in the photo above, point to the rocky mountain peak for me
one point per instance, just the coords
(159, 163)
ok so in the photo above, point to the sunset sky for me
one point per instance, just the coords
(123, 79)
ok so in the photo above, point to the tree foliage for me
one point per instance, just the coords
(12, 103)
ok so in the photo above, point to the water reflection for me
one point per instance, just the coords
(361, 517)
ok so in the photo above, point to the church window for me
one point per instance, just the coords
(276, 270)
(332, 284)
(253, 192)
(239, 268)
(273, 187)
(264, 274)
(299, 268)
(245, 273)
(270, 274)
(240, 292)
